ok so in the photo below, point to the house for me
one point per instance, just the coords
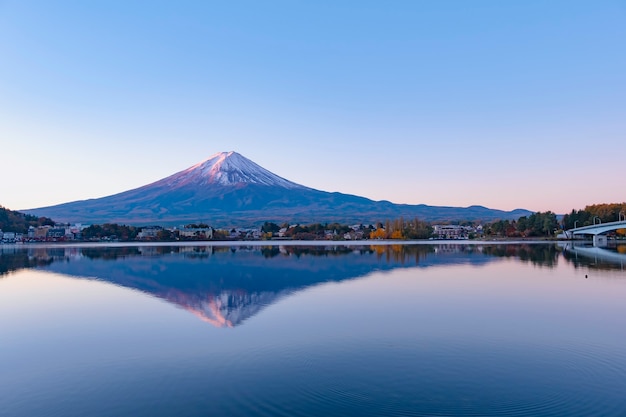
(149, 233)
(446, 231)
(55, 233)
(450, 231)
(353, 235)
(196, 232)
(249, 234)
(8, 237)
(40, 233)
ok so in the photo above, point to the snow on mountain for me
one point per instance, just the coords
(226, 169)
(227, 308)
(228, 190)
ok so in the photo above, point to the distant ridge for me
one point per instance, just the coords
(228, 189)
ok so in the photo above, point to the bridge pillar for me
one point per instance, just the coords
(600, 241)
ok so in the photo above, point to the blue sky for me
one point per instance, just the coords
(503, 104)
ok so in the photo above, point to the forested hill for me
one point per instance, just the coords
(14, 221)
(605, 212)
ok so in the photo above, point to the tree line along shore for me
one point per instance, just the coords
(16, 226)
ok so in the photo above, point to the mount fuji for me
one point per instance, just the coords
(230, 190)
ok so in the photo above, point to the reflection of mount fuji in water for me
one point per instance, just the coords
(226, 285)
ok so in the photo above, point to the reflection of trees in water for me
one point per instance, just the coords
(318, 250)
(542, 255)
(402, 253)
(537, 254)
(110, 253)
(20, 260)
(297, 251)
(33, 257)
(270, 251)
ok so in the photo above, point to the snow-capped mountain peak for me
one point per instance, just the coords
(229, 189)
(229, 168)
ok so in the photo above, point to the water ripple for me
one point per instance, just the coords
(381, 379)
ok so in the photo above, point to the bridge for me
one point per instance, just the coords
(596, 230)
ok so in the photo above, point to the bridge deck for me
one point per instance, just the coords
(597, 229)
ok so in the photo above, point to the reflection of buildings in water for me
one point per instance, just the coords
(148, 250)
(457, 248)
(194, 251)
(10, 249)
(54, 253)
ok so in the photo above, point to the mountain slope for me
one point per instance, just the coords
(228, 189)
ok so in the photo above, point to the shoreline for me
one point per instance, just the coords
(223, 243)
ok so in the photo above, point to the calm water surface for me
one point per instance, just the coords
(421, 330)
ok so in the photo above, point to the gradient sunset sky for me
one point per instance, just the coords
(506, 104)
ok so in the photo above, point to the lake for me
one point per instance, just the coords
(313, 330)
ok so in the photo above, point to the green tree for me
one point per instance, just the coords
(269, 227)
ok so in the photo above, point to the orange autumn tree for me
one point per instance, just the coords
(402, 229)
(379, 233)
